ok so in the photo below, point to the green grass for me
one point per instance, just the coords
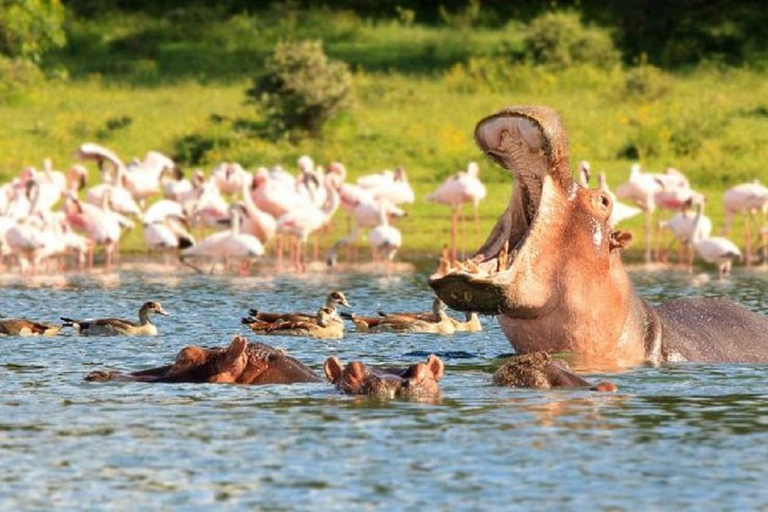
(139, 84)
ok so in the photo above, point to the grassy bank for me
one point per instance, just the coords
(712, 123)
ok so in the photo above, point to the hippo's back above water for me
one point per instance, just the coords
(712, 330)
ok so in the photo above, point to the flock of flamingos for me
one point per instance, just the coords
(47, 224)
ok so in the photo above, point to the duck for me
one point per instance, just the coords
(334, 299)
(116, 326)
(470, 324)
(434, 322)
(324, 325)
(25, 327)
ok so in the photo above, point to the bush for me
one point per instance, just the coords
(16, 76)
(300, 89)
(29, 28)
(647, 82)
(559, 39)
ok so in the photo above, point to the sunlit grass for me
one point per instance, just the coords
(423, 122)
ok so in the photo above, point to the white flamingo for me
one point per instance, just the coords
(384, 239)
(227, 245)
(682, 225)
(717, 250)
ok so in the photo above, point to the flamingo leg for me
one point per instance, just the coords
(477, 219)
(463, 223)
(454, 229)
(279, 244)
(648, 230)
(748, 235)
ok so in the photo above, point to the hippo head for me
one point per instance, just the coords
(197, 364)
(552, 242)
(539, 370)
(416, 381)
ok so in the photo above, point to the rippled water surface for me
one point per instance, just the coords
(679, 436)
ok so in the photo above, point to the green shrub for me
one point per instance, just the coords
(16, 76)
(300, 88)
(646, 82)
(560, 39)
(29, 28)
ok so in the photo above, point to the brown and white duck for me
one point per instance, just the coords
(325, 325)
(116, 326)
(24, 327)
(435, 322)
(332, 301)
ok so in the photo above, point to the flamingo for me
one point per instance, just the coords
(717, 250)
(747, 199)
(226, 245)
(391, 185)
(682, 224)
(256, 221)
(463, 187)
(642, 188)
(384, 238)
(142, 178)
(302, 222)
(102, 226)
(366, 214)
(230, 177)
(620, 211)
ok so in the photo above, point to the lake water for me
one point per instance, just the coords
(682, 436)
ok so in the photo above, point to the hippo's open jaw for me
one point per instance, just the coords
(519, 139)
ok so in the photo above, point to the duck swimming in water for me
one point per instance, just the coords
(24, 327)
(334, 299)
(325, 325)
(435, 322)
(116, 326)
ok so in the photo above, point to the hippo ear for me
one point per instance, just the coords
(436, 366)
(620, 239)
(237, 347)
(333, 369)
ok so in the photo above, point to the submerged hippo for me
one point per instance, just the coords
(552, 272)
(417, 381)
(540, 370)
(239, 363)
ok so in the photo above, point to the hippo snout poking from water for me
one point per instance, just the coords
(417, 381)
(539, 370)
(239, 363)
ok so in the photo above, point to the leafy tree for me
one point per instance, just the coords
(29, 28)
(300, 88)
(560, 39)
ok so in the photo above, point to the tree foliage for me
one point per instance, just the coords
(560, 39)
(300, 88)
(29, 28)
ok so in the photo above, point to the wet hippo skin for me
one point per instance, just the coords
(551, 268)
(239, 363)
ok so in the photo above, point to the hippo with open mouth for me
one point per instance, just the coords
(552, 273)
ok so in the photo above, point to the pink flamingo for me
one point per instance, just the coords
(303, 221)
(463, 187)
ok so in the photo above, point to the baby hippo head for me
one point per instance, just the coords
(540, 371)
(416, 381)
